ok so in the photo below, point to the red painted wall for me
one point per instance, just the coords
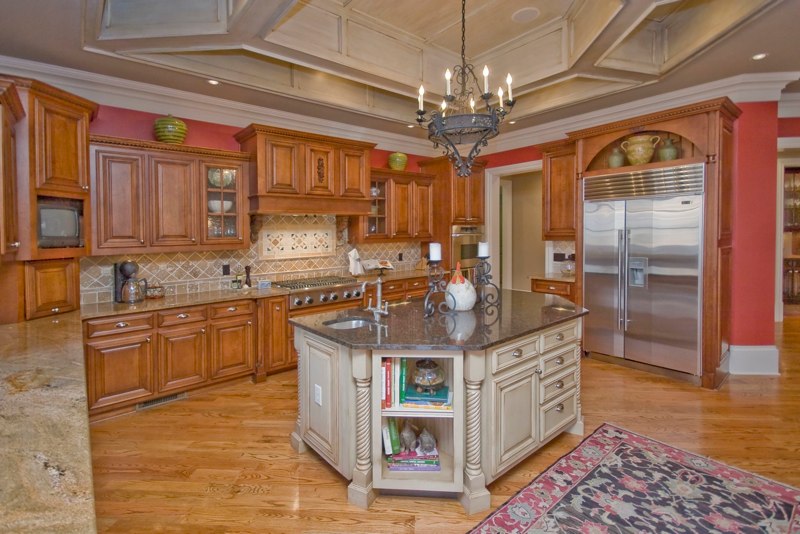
(511, 157)
(754, 214)
(789, 127)
(133, 124)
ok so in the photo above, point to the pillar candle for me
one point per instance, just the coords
(435, 252)
(483, 249)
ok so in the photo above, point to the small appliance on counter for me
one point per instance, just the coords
(128, 288)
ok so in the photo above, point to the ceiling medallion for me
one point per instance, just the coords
(458, 122)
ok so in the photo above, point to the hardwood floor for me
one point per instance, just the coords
(221, 461)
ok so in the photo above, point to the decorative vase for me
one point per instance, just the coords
(170, 130)
(667, 151)
(398, 161)
(616, 158)
(639, 148)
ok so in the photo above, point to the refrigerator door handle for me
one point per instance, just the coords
(625, 319)
(621, 282)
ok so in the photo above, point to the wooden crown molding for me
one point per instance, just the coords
(107, 140)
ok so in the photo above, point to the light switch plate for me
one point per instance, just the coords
(318, 394)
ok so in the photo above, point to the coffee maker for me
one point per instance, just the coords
(128, 288)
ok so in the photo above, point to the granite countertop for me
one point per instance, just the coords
(105, 309)
(46, 482)
(559, 277)
(518, 313)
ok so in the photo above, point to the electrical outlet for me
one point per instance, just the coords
(559, 256)
(226, 269)
(399, 256)
(318, 394)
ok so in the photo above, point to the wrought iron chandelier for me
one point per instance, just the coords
(458, 123)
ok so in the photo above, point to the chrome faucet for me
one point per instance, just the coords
(380, 308)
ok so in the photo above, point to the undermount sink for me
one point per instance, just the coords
(348, 323)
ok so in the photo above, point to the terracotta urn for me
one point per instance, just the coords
(639, 148)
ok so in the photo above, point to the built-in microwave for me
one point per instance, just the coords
(464, 245)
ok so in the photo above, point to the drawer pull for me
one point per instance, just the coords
(552, 288)
(517, 353)
(121, 324)
(54, 310)
(182, 316)
(559, 361)
(560, 384)
(15, 244)
(560, 408)
(249, 323)
(560, 336)
(232, 308)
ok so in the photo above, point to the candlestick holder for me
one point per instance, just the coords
(436, 284)
(488, 292)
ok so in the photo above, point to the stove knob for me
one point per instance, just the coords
(298, 302)
(357, 293)
(309, 300)
(347, 294)
(323, 298)
(334, 296)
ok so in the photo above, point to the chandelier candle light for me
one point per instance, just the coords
(458, 122)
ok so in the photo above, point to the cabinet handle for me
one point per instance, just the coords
(203, 331)
(232, 308)
(15, 244)
(560, 384)
(241, 238)
(249, 323)
(559, 360)
(85, 187)
(121, 324)
(182, 316)
(538, 371)
(517, 353)
(147, 339)
(560, 336)
(551, 288)
(277, 308)
(54, 310)
(560, 408)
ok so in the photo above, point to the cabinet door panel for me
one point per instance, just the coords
(319, 170)
(173, 191)
(119, 200)
(475, 208)
(119, 370)
(9, 235)
(513, 398)
(353, 174)
(558, 197)
(232, 350)
(284, 167)
(402, 207)
(61, 151)
(423, 210)
(51, 286)
(459, 200)
(279, 354)
(181, 358)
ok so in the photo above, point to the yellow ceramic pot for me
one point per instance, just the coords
(639, 148)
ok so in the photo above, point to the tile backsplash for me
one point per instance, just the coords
(298, 246)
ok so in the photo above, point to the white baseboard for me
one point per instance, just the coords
(754, 360)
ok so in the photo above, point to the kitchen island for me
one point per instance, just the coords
(512, 372)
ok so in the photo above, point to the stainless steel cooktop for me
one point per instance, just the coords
(319, 291)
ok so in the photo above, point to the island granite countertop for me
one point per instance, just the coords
(518, 313)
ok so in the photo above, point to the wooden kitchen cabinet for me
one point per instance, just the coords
(232, 351)
(51, 287)
(550, 286)
(398, 290)
(52, 160)
(10, 113)
(401, 208)
(156, 197)
(119, 370)
(274, 327)
(182, 357)
(559, 190)
(298, 172)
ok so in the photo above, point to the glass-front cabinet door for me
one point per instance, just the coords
(223, 203)
(378, 220)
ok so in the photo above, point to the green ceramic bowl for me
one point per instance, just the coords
(170, 130)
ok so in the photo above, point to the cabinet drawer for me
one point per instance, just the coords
(120, 324)
(558, 414)
(514, 353)
(416, 284)
(182, 316)
(231, 309)
(558, 384)
(389, 287)
(560, 335)
(553, 287)
(558, 360)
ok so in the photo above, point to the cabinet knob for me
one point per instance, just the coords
(560, 384)
(559, 361)
(121, 324)
(241, 238)
(54, 310)
(560, 336)
(277, 308)
(560, 408)
(182, 316)
(517, 353)
(203, 331)
(194, 240)
(551, 288)
(249, 323)
(538, 371)
(15, 244)
(141, 241)
(85, 187)
(232, 308)
(148, 339)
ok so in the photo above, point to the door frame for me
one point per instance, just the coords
(783, 163)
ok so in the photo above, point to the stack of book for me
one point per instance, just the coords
(397, 390)
(414, 460)
(441, 399)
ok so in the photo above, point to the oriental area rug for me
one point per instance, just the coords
(618, 481)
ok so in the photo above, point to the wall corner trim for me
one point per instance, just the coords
(754, 360)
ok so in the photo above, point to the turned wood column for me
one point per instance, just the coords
(360, 491)
(475, 497)
(296, 438)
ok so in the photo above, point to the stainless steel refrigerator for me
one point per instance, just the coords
(642, 272)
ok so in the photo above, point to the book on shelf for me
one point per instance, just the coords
(432, 461)
(394, 435)
(387, 440)
(416, 454)
(402, 385)
(383, 385)
(402, 467)
(440, 395)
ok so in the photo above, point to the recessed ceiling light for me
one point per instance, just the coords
(526, 14)
(213, 82)
(759, 56)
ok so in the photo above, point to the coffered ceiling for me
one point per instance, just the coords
(330, 58)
